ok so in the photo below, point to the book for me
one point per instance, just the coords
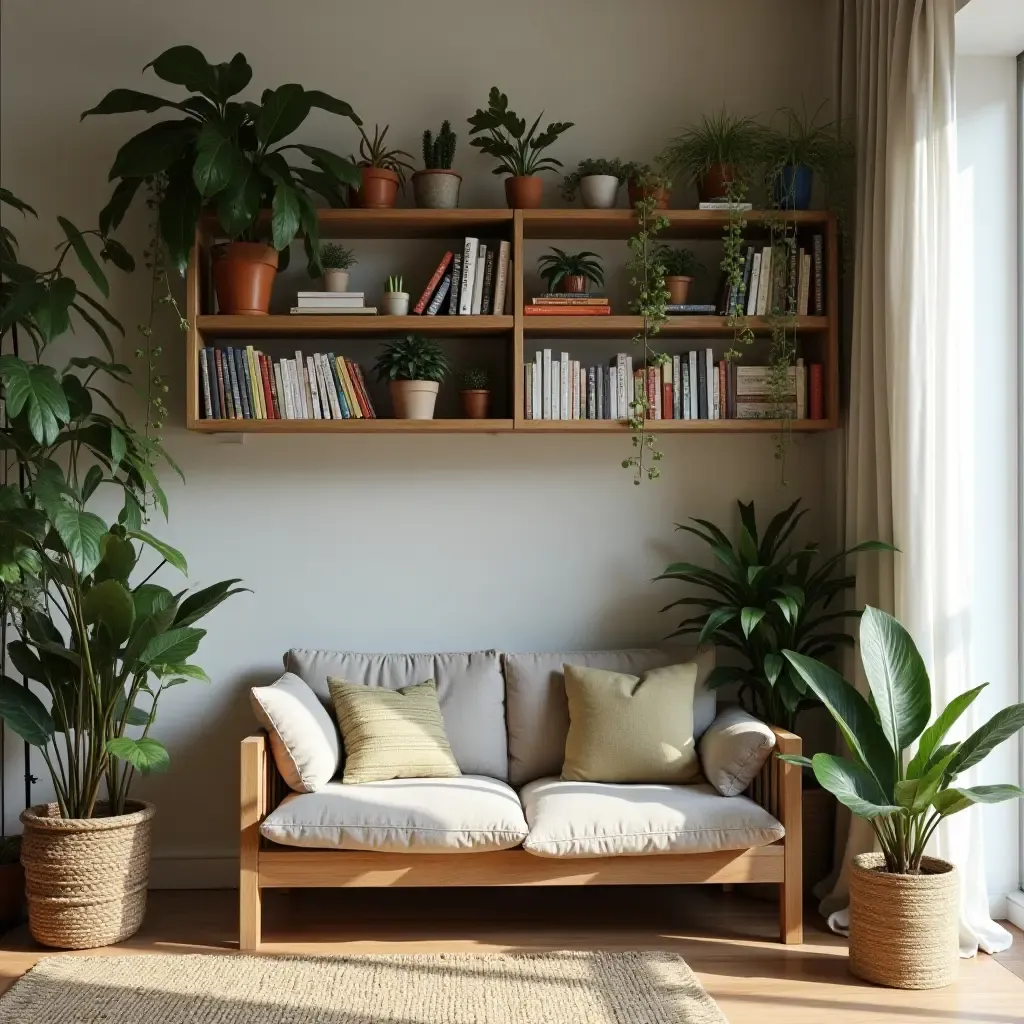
(677, 388)
(501, 277)
(469, 253)
(295, 380)
(478, 280)
(314, 390)
(331, 368)
(355, 406)
(278, 382)
(711, 378)
(764, 284)
(567, 299)
(204, 372)
(684, 398)
(329, 300)
(439, 297)
(278, 387)
(453, 292)
(622, 401)
(816, 402)
(211, 363)
(801, 390)
(538, 385)
(694, 387)
(487, 294)
(630, 385)
(702, 386)
(435, 280)
(748, 270)
(741, 207)
(737, 291)
(268, 398)
(723, 390)
(563, 395)
(613, 392)
(510, 290)
(546, 397)
(803, 300)
(305, 398)
(288, 410)
(591, 393)
(666, 390)
(231, 379)
(691, 309)
(326, 382)
(535, 310)
(755, 284)
(255, 383)
(357, 370)
(819, 275)
(556, 389)
(528, 391)
(336, 311)
(236, 363)
(574, 384)
(218, 370)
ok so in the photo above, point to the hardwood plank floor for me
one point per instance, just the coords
(727, 938)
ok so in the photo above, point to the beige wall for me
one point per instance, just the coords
(381, 543)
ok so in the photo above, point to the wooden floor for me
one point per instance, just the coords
(726, 938)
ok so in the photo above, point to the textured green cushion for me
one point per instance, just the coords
(392, 734)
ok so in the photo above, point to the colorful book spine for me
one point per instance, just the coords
(819, 275)
(268, 398)
(487, 294)
(677, 388)
(204, 373)
(236, 361)
(327, 386)
(469, 254)
(453, 292)
(549, 310)
(350, 391)
(218, 365)
(371, 412)
(332, 368)
(723, 390)
(666, 390)
(442, 292)
(501, 277)
(432, 284)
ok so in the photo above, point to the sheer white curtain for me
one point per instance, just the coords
(910, 469)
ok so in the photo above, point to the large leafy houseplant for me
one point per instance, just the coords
(766, 599)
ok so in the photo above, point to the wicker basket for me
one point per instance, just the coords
(85, 878)
(904, 929)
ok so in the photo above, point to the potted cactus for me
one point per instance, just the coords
(596, 181)
(383, 170)
(679, 267)
(436, 187)
(413, 369)
(336, 260)
(475, 394)
(396, 299)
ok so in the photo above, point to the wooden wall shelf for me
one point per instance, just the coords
(517, 226)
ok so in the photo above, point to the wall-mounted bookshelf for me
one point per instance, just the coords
(507, 341)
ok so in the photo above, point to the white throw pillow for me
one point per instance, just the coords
(733, 750)
(303, 736)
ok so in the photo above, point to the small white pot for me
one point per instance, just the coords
(395, 303)
(335, 280)
(599, 191)
(413, 399)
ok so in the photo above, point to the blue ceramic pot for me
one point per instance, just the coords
(793, 187)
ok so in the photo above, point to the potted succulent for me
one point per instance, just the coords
(437, 186)
(395, 300)
(643, 182)
(679, 266)
(228, 158)
(718, 154)
(476, 396)
(596, 181)
(413, 368)
(336, 260)
(570, 271)
(904, 907)
(382, 171)
(518, 151)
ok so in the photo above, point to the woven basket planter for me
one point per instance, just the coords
(904, 929)
(85, 878)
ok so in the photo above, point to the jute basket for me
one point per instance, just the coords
(85, 878)
(904, 929)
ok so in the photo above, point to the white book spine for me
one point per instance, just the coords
(284, 394)
(468, 276)
(556, 389)
(563, 376)
(694, 396)
(613, 392)
(314, 390)
(677, 388)
(327, 385)
(300, 373)
(686, 390)
(755, 283)
(620, 380)
(527, 391)
(717, 390)
(504, 251)
(709, 382)
(478, 279)
(546, 398)
(630, 386)
(279, 384)
(538, 385)
(764, 286)
(582, 385)
(297, 389)
(805, 284)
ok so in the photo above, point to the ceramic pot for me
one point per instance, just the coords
(904, 929)
(524, 192)
(476, 404)
(599, 191)
(436, 189)
(713, 185)
(678, 288)
(395, 303)
(576, 283)
(335, 280)
(243, 276)
(379, 188)
(792, 189)
(635, 193)
(413, 399)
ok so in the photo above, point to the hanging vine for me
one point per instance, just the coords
(734, 267)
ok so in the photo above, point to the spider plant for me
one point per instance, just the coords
(737, 142)
(558, 264)
(804, 140)
(374, 154)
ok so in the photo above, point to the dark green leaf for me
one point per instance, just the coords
(179, 214)
(145, 755)
(285, 220)
(151, 598)
(936, 732)
(185, 65)
(25, 713)
(35, 388)
(153, 150)
(118, 557)
(342, 169)
(125, 101)
(324, 101)
(172, 555)
(283, 111)
(1001, 726)
(852, 786)
(718, 618)
(749, 619)
(202, 602)
(173, 647)
(92, 480)
(110, 603)
(85, 256)
(778, 522)
(117, 206)
(118, 255)
(51, 314)
(773, 666)
(232, 77)
(951, 801)
(239, 204)
(216, 161)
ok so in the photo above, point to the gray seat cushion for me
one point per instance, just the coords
(538, 713)
(601, 819)
(470, 690)
(470, 814)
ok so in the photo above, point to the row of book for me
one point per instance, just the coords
(333, 303)
(476, 281)
(779, 279)
(568, 304)
(243, 383)
(689, 386)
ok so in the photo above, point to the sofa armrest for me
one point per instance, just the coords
(257, 781)
(733, 750)
(778, 787)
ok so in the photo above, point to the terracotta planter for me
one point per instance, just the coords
(636, 193)
(12, 895)
(335, 280)
(436, 189)
(395, 303)
(573, 283)
(713, 186)
(413, 399)
(476, 404)
(243, 276)
(678, 289)
(524, 192)
(599, 191)
(379, 188)
(85, 879)
(904, 928)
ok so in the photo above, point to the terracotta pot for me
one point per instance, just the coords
(413, 399)
(678, 288)
(395, 303)
(379, 188)
(572, 283)
(436, 189)
(12, 895)
(524, 192)
(335, 280)
(243, 275)
(476, 404)
(599, 191)
(713, 186)
(636, 193)
(904, 929)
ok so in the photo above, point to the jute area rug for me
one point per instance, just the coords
(543, 988)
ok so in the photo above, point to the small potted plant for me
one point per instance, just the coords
(679, 266)
(475, 394)
(395, 300)
(437, 186)
(643, 182)
(413, 369)
(518, 151)
(383, 170)
(336, 259)
(597, 182)
(570, 271)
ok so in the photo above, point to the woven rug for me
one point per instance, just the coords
(553, 988)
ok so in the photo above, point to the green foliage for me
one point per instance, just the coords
(517, 150)
(474, 379)
(716, 139)
(767, 598)
(803, 140)
(645, 176)
(904, 806)
(414, 357)
(558, 264)
(394, 284)
(439, 153)
(571, 182)
(226, 155)
(373, 153)
(334, 256)
(678, 262)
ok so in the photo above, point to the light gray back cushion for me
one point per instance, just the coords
(538, 713)
(470, 690)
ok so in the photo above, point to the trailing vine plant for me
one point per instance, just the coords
(734, 267)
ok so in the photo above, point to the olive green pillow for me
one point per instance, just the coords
(392, 734)
(626, 729)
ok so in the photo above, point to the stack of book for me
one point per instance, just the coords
(689, 386)
(245, 384)
(326, 303)
(474, 282)
(778, 280)
(568, 304)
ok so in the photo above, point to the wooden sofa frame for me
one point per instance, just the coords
(266, 865)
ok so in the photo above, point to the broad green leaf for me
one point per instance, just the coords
(131, 716)
(202, 602)
(951, 801)
(179, 214)
(773, 666)
(151, 598)
(117, 206)
(239, 204)
(130, 515)
(283, 110)
(145, 755)
(327, 102)
(118, 557)
(216, 161)
(81, 533)
(117, 254)
(173, 647)
(78, 398)
(852, 786)
(118, 446)
(188, 672)
(110, 603)
(778, 522)
(172, 555)
(798, 759)
(92, 480)
(344, 170)
(749, 619)
(85, 256)
(790, 609)
(753, 572)
(1001, 726)
(936, 732)
(916, 794)
(51, 315)
(153, 150)
(185, 65)
(285, 219)
(125, 101)
(232, 77)
(25, 713)
(715, 620)
(26, 661)
(723, 675)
